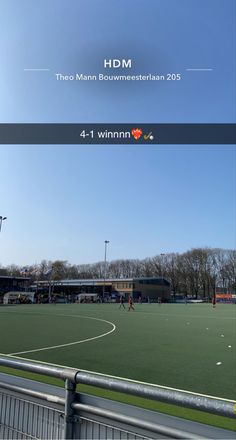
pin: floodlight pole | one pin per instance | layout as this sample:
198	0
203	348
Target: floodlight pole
162	255
214	292
1	220
105	264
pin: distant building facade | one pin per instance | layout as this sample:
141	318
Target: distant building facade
12	284
146	288
8	283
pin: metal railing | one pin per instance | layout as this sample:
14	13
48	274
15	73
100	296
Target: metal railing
71	408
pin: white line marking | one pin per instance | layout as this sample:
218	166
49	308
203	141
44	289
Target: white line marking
199	70
117	377
71	343
36	70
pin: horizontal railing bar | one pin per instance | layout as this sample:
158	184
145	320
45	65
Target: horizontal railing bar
133	421
48	370
180	398
33	393
193	401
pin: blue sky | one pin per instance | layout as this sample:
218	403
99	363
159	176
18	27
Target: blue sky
160	36
63	202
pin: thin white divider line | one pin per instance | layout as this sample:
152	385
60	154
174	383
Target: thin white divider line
36	70
71	343
36	361
199	70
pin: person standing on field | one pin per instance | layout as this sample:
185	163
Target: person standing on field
130	303
122	302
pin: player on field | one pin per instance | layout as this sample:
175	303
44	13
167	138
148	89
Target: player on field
122	302
130	303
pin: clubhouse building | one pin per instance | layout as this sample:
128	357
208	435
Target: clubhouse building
146	288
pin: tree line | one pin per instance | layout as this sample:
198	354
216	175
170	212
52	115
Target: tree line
196	272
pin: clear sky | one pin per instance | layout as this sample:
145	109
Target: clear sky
63	202
160	36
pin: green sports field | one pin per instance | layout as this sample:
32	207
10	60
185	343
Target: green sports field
189	347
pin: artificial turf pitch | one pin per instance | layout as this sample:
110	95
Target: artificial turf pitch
189	347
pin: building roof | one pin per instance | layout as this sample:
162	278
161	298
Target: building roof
5	277
92	282
98	280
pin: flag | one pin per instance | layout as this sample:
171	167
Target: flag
35	271
24	270
47	272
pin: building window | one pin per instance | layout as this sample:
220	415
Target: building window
155	282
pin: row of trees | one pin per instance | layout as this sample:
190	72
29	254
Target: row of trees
196	272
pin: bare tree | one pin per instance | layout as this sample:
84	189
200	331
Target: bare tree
196	272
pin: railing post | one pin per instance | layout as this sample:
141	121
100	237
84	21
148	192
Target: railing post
70	388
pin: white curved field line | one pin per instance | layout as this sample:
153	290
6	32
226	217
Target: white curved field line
71	343
13	355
